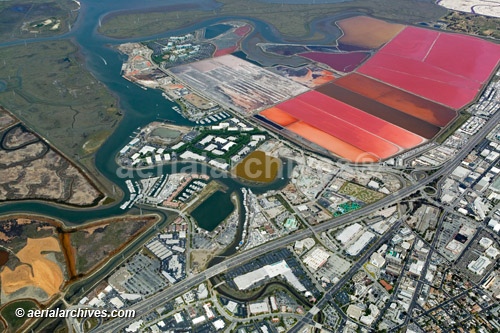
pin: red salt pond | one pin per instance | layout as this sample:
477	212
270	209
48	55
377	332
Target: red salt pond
413	43
446	94
447	68
278	116
339	128
421	70
328	107
222	52
398	99
331	143
465	56
377	109
242	31
469	56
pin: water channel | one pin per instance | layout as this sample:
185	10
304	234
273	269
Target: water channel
139	106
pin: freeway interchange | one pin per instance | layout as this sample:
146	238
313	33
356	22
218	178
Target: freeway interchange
158	299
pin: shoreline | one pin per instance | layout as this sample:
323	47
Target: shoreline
218	18
239	230
69	229
98	176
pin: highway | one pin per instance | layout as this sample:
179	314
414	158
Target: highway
308	318
161	297
445	170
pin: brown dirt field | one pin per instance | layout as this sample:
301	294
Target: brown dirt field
199	101
200	259
50	272
4	257
4	237
367	32
44	228
35	270
22	221
90	230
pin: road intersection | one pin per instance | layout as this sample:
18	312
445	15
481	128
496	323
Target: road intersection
149	304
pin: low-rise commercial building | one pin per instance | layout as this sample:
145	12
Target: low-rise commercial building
479	265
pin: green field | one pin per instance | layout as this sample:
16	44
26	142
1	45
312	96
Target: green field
50	90
290	20
8	313
21	19
360	192
462	118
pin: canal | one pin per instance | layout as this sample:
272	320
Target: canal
140	107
